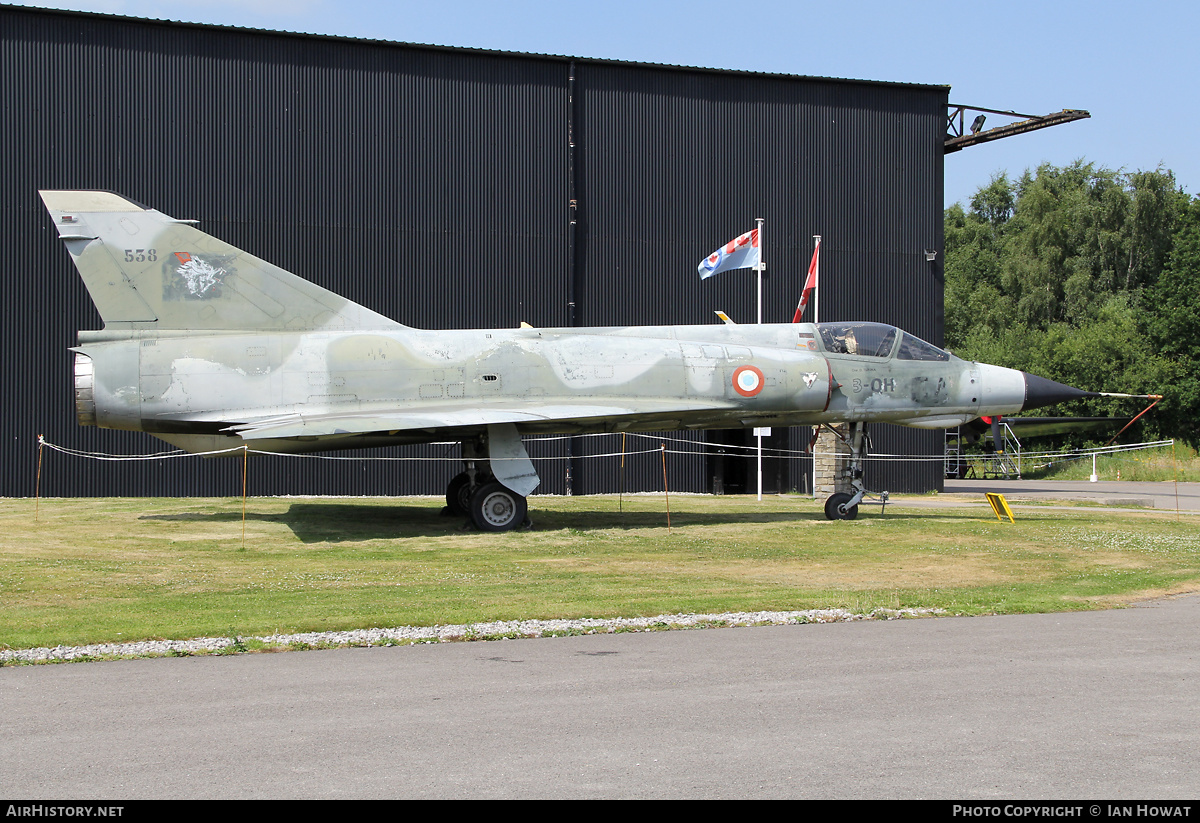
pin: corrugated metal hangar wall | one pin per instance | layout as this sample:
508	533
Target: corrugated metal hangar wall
451	188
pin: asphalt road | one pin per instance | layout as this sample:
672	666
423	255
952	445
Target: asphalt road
1070	706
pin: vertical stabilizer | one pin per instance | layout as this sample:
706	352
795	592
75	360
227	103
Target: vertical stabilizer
145	270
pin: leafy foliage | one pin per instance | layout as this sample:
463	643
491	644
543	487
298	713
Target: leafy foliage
1086	276
1172	321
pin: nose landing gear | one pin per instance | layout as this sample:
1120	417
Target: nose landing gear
843	505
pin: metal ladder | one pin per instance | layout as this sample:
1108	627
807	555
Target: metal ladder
1005	461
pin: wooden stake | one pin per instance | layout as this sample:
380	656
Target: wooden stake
621	484
37	485
666	493
245	461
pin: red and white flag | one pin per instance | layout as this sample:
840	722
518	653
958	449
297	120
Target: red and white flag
809	284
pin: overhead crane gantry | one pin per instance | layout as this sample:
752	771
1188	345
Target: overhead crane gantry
958	137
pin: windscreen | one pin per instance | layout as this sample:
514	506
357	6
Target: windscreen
914	348
861	339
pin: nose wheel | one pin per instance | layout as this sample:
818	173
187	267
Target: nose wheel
844	505
837	508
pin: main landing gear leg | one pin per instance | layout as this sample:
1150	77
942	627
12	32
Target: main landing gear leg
474	474
497	478
844	506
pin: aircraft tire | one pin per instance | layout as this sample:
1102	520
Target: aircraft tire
833	507
459	491
495	508
458	494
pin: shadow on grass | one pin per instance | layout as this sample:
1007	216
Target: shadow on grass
583	519
337	522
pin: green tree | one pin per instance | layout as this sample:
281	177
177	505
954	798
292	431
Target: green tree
1082	275
974	256
1172	324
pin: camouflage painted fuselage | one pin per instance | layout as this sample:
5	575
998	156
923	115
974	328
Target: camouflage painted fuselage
319	390
208	346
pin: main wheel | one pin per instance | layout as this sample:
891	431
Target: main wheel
836	509
458	494
495	508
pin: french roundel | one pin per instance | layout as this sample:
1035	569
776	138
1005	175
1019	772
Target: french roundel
747	381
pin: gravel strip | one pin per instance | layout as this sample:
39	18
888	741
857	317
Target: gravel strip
404	635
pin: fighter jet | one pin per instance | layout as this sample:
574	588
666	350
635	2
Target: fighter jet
206	346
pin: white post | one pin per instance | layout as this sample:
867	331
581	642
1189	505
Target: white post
816	316
761	432
762	265
817	280
759	436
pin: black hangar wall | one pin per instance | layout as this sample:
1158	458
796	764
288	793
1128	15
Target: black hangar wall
454	188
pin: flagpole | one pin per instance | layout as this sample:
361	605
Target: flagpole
762	265
816	282
816	309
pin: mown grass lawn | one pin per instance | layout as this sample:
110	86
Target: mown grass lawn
107	570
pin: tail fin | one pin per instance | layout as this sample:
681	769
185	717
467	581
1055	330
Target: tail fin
145	270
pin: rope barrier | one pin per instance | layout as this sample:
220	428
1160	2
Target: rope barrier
1085	454
168	455
660	438
707	450
453	459
701	450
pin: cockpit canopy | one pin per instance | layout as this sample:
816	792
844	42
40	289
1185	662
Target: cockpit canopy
876	340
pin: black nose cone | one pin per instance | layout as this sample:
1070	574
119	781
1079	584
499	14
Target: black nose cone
1042	392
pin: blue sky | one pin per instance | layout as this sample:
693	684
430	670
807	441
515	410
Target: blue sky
1133	66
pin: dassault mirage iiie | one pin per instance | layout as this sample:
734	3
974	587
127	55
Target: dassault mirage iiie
206	346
